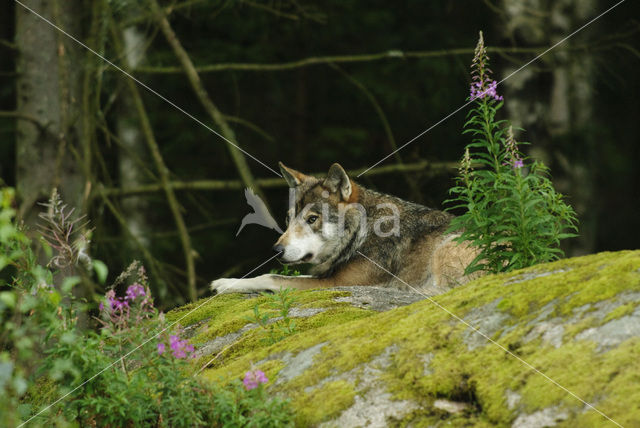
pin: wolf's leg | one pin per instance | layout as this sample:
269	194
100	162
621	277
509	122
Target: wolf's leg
358	272
265	282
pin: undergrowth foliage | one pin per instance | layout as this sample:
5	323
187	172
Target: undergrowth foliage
513	214
66	234
145	377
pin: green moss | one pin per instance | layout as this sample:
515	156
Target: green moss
42	392
505	305
271	369
619	312
333	396
572	330
228	313
442	418
590	274
215	307
251	347
480	377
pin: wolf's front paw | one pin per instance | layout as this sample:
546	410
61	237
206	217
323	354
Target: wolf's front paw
225	285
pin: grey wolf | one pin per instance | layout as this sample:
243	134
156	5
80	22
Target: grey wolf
332	221
260	214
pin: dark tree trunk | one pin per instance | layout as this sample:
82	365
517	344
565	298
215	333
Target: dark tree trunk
50	70
48	88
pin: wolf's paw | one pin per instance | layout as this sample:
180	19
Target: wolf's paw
244	285
225	285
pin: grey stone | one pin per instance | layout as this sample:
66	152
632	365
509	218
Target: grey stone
426	361
533	275
488	320
603	308
373	406
364	375
449	406
219	343
545	312
372	409
513	399
551	332
303	312
295	366
548	417
553	335
613	333
191	330
378	298
581	310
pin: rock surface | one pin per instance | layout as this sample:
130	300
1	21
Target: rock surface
552	345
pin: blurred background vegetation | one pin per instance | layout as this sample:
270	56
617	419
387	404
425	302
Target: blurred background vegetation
306	83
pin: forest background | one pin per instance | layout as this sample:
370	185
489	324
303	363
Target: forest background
306	83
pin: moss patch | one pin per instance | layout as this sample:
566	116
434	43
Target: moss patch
324	402
562	292
620	311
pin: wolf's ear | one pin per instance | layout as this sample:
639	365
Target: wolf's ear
337	180
294	178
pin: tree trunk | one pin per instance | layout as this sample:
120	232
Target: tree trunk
50	70
554	107
48	88
133	146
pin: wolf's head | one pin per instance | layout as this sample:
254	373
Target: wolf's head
322	216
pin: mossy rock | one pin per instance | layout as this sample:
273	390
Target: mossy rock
552	336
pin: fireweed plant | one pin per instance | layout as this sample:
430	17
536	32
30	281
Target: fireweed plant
276	324
513	214
45	352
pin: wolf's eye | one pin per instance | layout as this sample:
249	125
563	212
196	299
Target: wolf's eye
312	219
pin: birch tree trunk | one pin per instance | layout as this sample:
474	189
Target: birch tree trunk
133	147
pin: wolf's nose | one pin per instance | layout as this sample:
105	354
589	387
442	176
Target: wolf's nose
278	248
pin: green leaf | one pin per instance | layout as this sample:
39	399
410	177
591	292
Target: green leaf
19	385
55	297
69	282
8	298
101	270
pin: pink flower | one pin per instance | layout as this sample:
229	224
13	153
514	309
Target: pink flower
478	92
180	348
511	148
111	298
161	348
174	340
482	85
116	303
253	379
135	290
